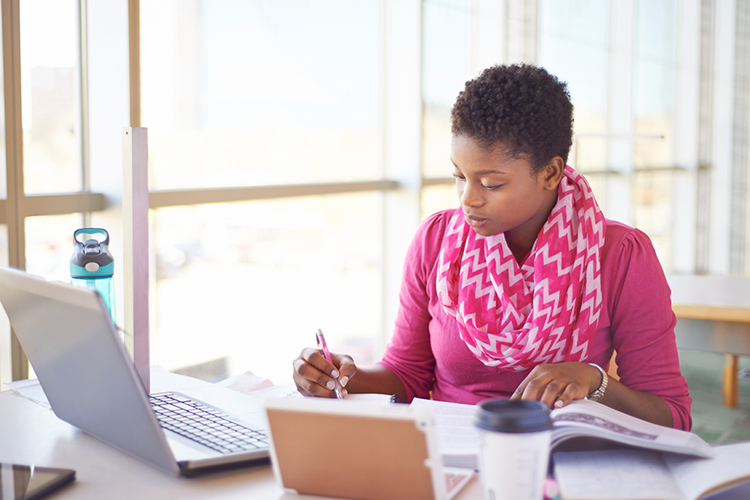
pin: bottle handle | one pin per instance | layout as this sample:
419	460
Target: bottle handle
92	230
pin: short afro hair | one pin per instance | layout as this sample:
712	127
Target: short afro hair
521	107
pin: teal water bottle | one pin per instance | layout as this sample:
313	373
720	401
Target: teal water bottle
92	266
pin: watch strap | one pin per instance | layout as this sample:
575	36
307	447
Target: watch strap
598	394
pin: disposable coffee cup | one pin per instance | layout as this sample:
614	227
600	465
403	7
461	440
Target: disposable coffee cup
514	448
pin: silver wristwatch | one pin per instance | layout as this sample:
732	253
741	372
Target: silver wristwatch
598	394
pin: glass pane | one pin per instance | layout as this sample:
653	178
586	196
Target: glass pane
261	92
49	245
445	69
244	286
655	64
653	106
48	88
653	193
573	43
437	198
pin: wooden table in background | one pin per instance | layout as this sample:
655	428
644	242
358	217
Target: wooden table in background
713	314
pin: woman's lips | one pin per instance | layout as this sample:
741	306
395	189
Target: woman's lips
475	221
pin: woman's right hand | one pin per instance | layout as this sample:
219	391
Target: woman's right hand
314	375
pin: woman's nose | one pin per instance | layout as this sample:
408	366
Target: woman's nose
470	196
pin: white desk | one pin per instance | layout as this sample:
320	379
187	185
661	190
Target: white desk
31	434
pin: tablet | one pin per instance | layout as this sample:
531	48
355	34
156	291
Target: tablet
27	482
354	450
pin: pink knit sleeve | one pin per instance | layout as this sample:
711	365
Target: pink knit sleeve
409	353
643	328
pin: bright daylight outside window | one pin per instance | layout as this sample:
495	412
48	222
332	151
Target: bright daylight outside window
52	162
573	44
252	93
445	69
654	103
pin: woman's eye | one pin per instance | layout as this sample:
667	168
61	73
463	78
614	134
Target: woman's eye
458	177
490	188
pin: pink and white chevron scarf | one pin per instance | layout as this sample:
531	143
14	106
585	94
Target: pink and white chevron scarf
544	311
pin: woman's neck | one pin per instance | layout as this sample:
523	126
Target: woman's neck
521	239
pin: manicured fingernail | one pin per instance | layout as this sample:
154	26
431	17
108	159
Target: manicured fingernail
344	392
330	385
335	374
343	380
559	403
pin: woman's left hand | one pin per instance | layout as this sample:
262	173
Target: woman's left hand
559	384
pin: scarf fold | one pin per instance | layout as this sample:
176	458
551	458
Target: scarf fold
544	311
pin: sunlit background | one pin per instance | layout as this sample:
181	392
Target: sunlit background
239	93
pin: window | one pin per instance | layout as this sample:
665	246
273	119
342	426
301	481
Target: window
294	146
263	93
573	45
51	115
620	63
44	187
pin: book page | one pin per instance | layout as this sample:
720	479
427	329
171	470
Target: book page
615	474
371	397
698	476
454	428
586	418
455	480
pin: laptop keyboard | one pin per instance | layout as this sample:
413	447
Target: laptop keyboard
205	425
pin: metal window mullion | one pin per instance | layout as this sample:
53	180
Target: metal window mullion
14	159
182	197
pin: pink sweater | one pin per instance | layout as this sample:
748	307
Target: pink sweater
636	320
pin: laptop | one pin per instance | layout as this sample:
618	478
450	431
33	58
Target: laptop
91	383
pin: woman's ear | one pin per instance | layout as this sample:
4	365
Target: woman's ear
553	173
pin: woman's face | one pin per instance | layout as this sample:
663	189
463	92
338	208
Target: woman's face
499	194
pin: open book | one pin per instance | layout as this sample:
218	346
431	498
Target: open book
458	440
642	474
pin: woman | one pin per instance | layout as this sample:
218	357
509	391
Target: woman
526	289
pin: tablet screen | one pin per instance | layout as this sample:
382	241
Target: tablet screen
27	482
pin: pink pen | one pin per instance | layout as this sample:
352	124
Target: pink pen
327	354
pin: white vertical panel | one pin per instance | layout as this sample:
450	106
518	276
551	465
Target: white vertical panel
721	148
685	152
620	111
135	262
402	139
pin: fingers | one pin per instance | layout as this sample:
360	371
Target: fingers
347	368
554	385
316	359
569	394
314	375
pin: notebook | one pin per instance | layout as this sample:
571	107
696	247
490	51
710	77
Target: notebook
358	450
91	383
